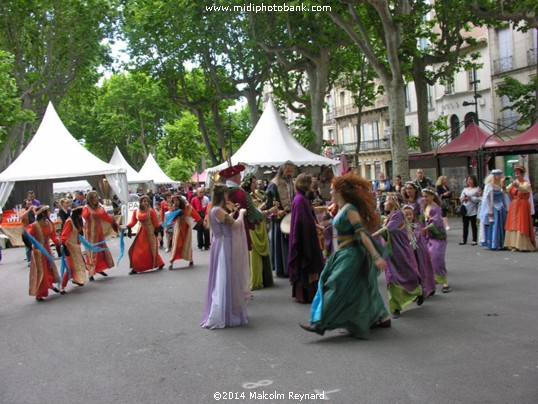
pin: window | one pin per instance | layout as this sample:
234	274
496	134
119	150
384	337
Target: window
454	127
470	117
408	132
342	98
375	129
449	86
345	135
504	63
471	79
406	97
366	132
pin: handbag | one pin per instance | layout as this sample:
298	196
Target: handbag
461	210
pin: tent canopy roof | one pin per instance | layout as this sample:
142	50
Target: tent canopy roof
472	139
151	170
270	144
133	176
41	159
528	140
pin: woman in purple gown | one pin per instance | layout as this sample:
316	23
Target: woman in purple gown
424	261
435	232
401	273
229	276
305	259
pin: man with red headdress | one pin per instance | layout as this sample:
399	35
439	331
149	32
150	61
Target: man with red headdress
238	196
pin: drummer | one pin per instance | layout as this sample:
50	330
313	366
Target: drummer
281	191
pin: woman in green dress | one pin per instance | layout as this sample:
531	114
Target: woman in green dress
348	296
261	270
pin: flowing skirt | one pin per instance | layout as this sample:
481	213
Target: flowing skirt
348	296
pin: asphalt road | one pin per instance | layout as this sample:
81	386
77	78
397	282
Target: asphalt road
137	339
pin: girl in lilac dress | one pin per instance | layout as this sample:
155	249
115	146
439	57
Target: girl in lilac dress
422	255
412	197
435	232
228	286
401	273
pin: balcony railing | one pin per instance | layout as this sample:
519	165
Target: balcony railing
532	57
367	145
503	65
344	110
507	122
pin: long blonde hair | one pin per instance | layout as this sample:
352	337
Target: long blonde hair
440	180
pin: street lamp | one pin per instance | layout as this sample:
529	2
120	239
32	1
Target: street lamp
476	96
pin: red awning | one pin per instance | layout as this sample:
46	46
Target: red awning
199	177
472	139
528	140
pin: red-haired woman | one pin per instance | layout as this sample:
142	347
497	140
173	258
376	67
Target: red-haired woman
144	252
182	236
94	215
348	296
71	248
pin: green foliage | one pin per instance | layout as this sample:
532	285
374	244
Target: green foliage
11	110
128	110
178	169
183	142
522	98
56	46
437	130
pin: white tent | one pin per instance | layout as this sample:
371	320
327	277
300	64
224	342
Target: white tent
133	177
151	169
54	154
71	186
270	144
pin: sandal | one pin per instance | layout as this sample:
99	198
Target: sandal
446	289
309	328
381	324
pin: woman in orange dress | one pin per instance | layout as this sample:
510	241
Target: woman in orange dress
94	215
43	272
182	236
71	249
519	229
144	252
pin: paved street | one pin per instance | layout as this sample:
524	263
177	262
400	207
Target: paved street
136	339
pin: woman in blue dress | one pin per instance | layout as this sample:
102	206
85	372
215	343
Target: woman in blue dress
348	295
493	211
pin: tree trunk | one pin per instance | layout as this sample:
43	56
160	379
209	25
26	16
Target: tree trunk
203	130
218	124
252	98
359	137
400	156
421	91
318	78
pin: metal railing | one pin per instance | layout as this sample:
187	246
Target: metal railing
502	65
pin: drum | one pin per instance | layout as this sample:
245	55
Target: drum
285	224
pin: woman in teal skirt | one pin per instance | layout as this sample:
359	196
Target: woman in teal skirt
348	296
